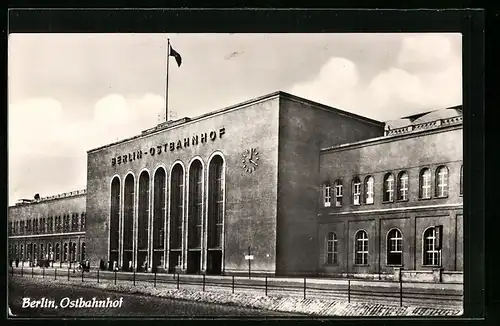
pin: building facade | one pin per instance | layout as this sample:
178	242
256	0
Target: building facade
49	229
394	202
298	187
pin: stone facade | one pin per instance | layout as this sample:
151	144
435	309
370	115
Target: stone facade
409	152
51	228
276	155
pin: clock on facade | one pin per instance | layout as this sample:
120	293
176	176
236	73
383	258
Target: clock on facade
250	160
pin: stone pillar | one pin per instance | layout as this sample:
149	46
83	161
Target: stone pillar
397	273
436	275
135	224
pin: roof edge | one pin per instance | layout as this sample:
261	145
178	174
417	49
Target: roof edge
190	120
381	139
330	108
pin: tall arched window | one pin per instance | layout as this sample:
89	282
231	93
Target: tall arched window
327	195
159	217
143	219
369	192
442	181
114	220
176	212
394	247
83	251
29	252
50	251
388	187
82	221
338	193
403	186
216	185
432	253
195	204
361	245
331	248
58	251
194	221
73	251
128	220
425	183
461	180
74	222
356	191
65	252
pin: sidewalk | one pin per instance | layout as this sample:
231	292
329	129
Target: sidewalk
313	306
284	281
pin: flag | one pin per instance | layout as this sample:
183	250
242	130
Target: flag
176	55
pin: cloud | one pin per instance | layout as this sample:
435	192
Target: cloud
431	51
426	76
43	138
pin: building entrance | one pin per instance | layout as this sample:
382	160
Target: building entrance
193	261
214	262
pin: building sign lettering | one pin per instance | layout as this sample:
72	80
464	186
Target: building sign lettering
168	147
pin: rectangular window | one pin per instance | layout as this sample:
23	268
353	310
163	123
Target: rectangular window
369	190
356	193
327	196
404	188
426	185
462	180
338	195
389	189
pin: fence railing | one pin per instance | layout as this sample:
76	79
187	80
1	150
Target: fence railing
388	292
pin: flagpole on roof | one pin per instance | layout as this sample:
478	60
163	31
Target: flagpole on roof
166	91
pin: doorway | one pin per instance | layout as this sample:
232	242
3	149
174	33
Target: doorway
193	261
214	262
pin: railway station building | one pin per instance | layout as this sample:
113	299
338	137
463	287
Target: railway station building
299	187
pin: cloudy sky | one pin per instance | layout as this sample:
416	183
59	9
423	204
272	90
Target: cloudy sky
69	93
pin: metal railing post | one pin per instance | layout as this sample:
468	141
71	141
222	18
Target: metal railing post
177	281
22	271
68	273
32	272
233	284
304	288
155	280
266	286
349	291
203	282
43	272
98	276
133	277
115	276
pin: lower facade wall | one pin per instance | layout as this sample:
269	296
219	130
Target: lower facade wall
412	225
55	249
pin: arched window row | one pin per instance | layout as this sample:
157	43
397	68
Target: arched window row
431	247
395	187
64	223
186	186
53	251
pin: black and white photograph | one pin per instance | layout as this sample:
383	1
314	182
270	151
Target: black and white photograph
235	174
